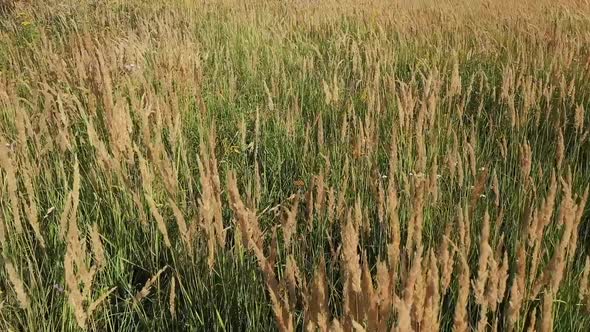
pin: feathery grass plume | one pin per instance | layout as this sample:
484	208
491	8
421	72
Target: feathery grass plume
358	327
517	290
31	211
74	252
455	84
560	150
106	162
432	298
65	216
446	257
420	144
482	323
526	156
290	222
79	276
464	230
159	219
491	288
245	217
344	126
361	218
350	257
507	82
103	82
181	223
75	296
139	208
418	214
211	245
581	206
529	225
384	292
163	164
558	262
95	304
280	306
97	247
320	132
351	302
19	287
584	290
292	276
335	326
535	243
554	271
358	140
484	255
547	207
147	179
76	246
252	236
145	290
496	188
7	164
533	322
418	302
369	297
208	205
503	145
318	300
461	320
120	129
331	205
172	298
404	320
547	313
412	278
63	136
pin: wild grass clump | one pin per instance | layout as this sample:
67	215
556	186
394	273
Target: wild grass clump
318	166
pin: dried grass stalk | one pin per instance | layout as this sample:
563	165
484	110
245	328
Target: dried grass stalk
17	283
145	290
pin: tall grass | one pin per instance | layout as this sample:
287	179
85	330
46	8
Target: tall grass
299	165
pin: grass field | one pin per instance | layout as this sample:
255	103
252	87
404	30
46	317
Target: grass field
294	165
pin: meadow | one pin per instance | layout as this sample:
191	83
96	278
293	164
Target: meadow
294	165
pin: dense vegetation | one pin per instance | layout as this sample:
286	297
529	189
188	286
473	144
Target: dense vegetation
294	165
